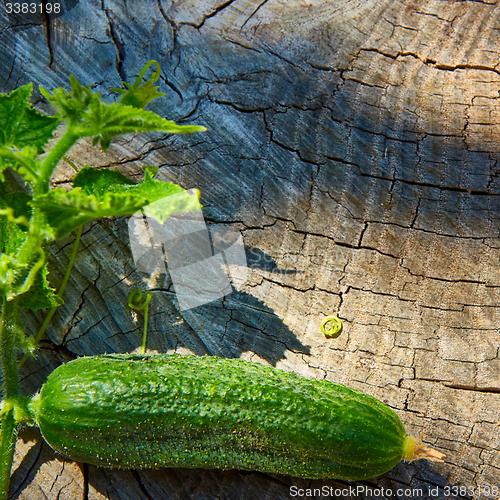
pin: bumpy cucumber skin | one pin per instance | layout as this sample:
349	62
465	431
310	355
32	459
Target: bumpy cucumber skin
140	411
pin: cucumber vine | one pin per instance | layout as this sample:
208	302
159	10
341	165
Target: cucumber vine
34	216
134	302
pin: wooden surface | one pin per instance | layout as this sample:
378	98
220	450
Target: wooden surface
355	145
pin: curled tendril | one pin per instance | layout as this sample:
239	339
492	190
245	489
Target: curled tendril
134	302
11	217
335	329
153	78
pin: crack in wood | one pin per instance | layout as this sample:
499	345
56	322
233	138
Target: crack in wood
473	388
120	47
216	11
253	13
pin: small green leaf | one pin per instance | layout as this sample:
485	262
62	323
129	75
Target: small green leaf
72	104
15	274
12	234
36	129
151	171
26	281
10	271
18	201
12	109
41	295
161	204
20	124
139	96
26	162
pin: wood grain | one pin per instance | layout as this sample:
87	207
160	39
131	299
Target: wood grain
355	146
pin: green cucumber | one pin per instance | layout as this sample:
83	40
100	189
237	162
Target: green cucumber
150	411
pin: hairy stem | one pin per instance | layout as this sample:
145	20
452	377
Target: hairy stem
46	321
7	447
38	224
134	302
62	146
8	334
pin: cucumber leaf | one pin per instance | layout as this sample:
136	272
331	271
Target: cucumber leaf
25	161
92	117
12	234
20	124
103	193
103	122
13	275
22	128
35	130
101	180
41	295
71	104
13	230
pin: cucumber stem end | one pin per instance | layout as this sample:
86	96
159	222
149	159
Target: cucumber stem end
414	449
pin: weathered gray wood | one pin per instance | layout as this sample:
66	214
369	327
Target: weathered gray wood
355	146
